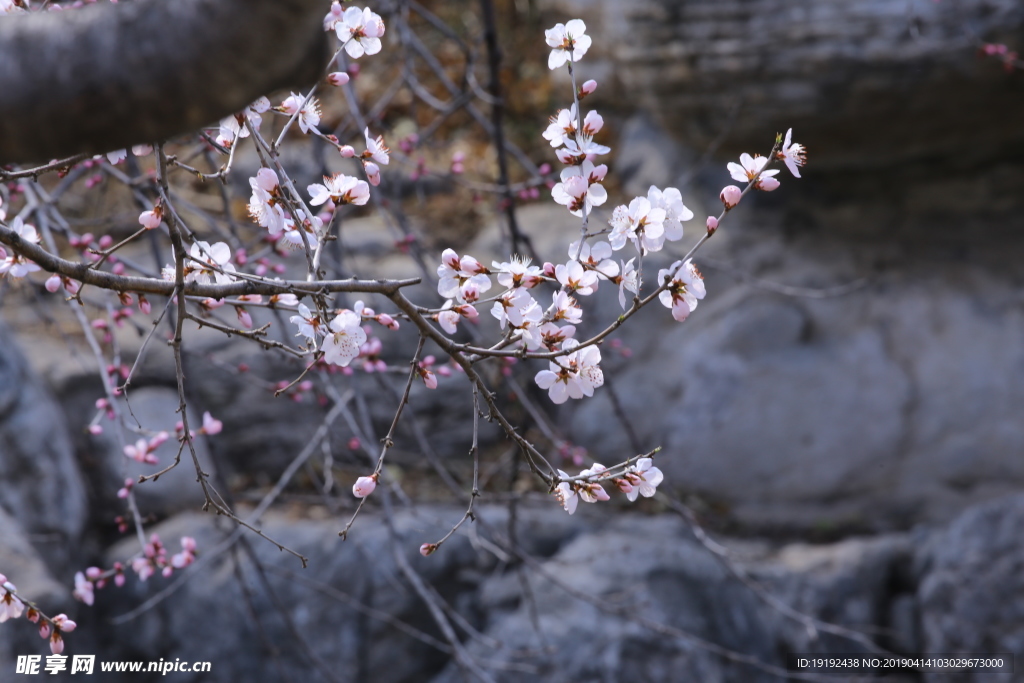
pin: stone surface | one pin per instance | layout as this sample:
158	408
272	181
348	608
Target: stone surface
106	467
34	579
863	83
40	484
971	590
211	618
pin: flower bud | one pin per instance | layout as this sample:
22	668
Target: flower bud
428	549
150	220
767	184
587	88
712	225
338	78
730	196
364	486
52	283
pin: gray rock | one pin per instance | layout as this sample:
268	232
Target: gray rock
24	567
971	590
212	617
40	485
106	466
862	83
643	582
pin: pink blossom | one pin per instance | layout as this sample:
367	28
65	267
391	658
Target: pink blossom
644	478
211	426
83	589
682	293
712	224
364	486
10	606
428	549
52	283
337	78
730	196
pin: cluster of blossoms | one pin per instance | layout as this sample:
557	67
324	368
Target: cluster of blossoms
153	558
639	479
343	337
50	628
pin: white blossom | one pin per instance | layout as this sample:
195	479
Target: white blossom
209	263
360	30
340	189
346	335
682	293
569	42
671	200
793	154
639	223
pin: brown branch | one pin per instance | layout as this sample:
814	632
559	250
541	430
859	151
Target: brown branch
124	283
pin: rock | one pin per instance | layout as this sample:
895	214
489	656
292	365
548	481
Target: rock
106	466
662	577
24	567
211	618
886	406
40	485
971	590
862	84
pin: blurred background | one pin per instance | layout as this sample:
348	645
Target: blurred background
841	419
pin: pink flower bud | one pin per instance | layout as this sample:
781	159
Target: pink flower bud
387	321
95	430
429	379
211	426
338	78
428	549
106	241
353	444
372	172
712	224
347	151
588	88
767	184
52	283
244	317
62	622
144	304
72	286
150	220
730	196
44	631
364	486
